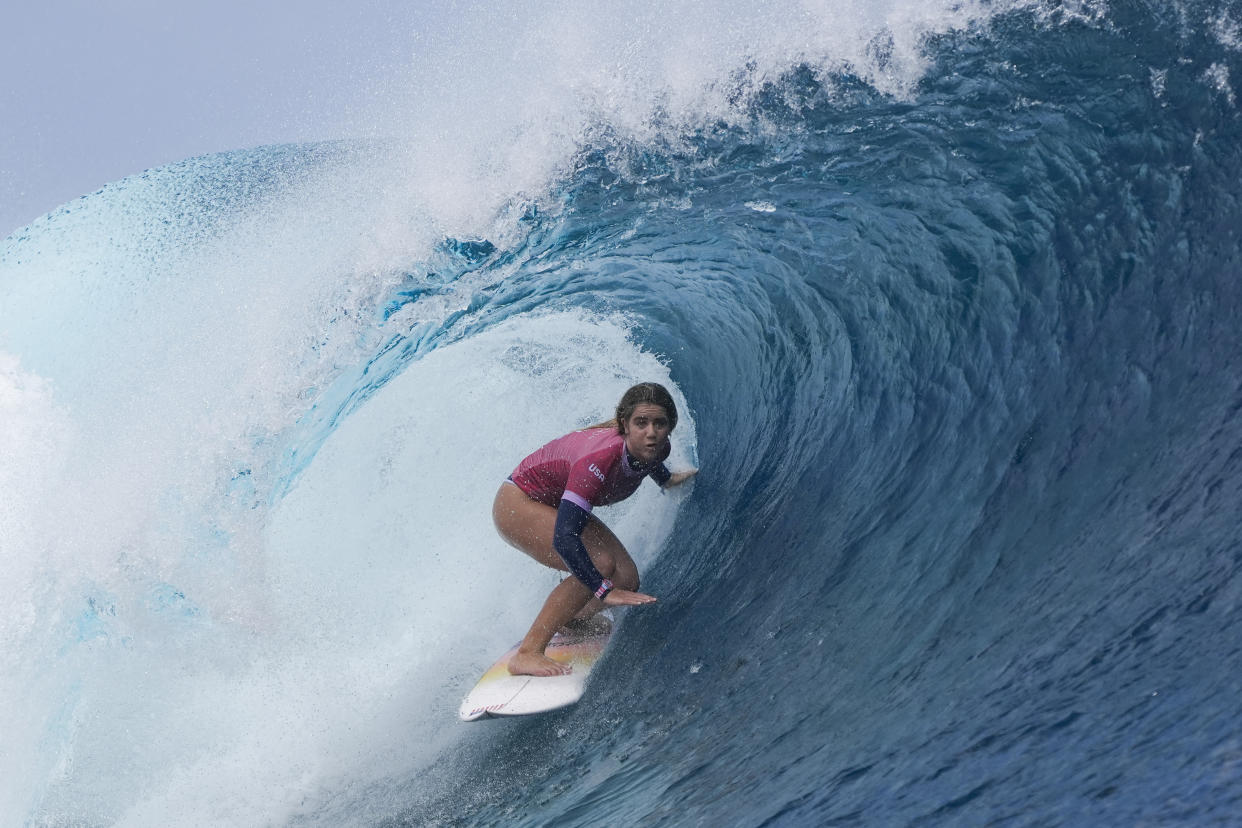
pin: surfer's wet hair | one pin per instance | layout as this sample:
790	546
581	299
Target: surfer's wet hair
644	393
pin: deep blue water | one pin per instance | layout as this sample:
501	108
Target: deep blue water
965	372
965	546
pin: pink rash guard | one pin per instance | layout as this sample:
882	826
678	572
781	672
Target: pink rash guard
575	473
588	468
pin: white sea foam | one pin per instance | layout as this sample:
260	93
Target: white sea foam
1217	76
235	671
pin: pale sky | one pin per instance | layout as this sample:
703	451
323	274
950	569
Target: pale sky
96	90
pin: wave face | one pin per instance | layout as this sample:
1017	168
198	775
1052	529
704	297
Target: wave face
949	301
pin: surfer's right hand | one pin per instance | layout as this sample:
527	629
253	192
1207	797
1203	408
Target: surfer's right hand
625	598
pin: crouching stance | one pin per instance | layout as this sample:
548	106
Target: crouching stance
544	509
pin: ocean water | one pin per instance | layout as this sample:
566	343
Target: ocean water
948	294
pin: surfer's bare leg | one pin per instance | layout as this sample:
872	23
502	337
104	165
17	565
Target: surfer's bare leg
558	610
529	526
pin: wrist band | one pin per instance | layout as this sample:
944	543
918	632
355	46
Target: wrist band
605	587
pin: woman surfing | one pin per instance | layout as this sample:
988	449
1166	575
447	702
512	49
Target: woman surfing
545	509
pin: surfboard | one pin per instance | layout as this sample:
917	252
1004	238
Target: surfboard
500	694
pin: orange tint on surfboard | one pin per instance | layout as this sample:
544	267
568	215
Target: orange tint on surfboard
498	693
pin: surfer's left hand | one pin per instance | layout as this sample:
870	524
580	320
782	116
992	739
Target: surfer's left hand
677	478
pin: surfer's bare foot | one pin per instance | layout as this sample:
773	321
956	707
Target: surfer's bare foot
535	664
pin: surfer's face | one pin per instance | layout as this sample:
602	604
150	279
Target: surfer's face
646	432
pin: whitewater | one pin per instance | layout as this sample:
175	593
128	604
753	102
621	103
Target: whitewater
947	294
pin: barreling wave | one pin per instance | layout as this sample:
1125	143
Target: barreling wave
950	309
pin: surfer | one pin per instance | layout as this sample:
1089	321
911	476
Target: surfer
544	509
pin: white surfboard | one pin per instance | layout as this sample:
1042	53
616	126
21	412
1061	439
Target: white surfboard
499	693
